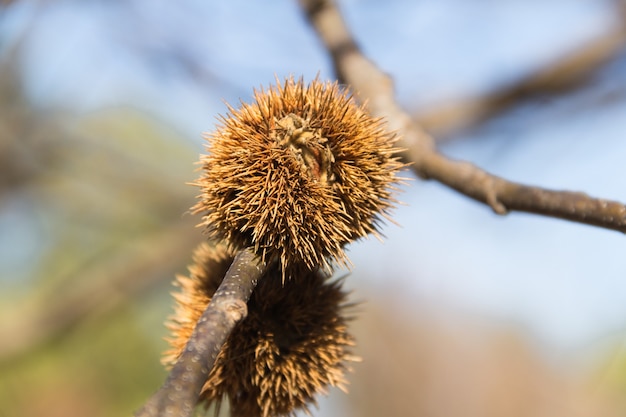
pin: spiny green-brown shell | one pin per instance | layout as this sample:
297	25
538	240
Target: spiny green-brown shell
297	174
292	345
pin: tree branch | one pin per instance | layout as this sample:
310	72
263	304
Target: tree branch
570	70
501	195
179	394
131	270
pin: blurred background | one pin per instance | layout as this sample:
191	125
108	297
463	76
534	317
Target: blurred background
102	109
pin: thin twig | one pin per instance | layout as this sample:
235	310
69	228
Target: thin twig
179	394
561	75
130	271
501	195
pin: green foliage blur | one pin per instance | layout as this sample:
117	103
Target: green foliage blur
81	327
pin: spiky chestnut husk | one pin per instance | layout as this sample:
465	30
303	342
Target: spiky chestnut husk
292	345
297	174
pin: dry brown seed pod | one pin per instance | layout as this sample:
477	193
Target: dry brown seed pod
297	174
292	345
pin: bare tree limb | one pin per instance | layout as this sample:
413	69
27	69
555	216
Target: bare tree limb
570	70
179	394
501	195
31	327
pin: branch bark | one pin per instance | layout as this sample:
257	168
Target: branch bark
179	394
373	86
569	71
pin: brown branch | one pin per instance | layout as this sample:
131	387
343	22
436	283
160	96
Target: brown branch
569	71
419	147
113	279
179	394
